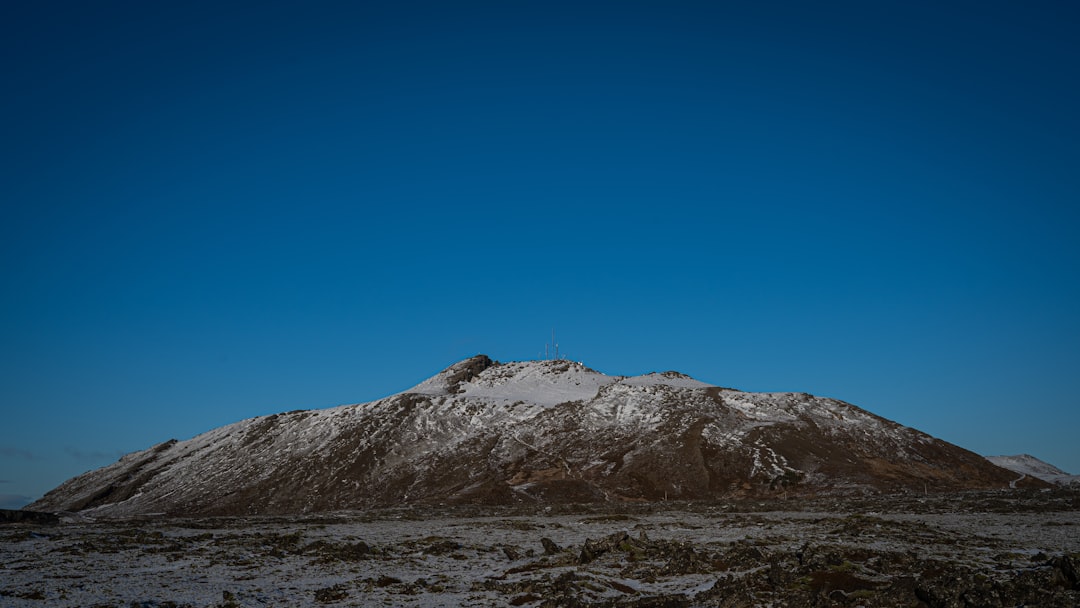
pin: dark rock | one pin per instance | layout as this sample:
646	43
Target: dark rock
335	593
228	600
1066	569
9	516
550	548
593	549
683	559
466	370
345	552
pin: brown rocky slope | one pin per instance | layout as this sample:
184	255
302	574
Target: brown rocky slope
555	431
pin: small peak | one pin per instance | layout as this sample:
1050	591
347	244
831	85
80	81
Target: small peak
466	370
668	378
451	378
558	366
542	382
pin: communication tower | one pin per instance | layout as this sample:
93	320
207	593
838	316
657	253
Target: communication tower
551	350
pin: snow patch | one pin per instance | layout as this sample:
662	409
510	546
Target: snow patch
1026	464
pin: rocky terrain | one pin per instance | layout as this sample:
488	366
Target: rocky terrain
964	549
534	432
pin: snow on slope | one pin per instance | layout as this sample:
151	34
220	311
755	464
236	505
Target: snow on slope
483	431
1026	464
546	383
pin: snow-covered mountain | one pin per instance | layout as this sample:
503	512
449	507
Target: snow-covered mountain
486	432
1026	464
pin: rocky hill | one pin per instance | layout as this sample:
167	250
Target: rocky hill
557	431
1026	464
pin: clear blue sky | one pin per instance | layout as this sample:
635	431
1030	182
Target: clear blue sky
217	210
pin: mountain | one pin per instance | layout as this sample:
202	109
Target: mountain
488	432
1025	464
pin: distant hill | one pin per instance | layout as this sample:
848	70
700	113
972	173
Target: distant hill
1026	464
547	431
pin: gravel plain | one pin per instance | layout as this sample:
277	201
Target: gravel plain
1005	548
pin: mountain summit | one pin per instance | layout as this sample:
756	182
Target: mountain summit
1026	464
488	432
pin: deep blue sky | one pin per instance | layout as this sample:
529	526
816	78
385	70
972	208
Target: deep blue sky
218	210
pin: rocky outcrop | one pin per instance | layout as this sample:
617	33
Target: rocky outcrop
10	516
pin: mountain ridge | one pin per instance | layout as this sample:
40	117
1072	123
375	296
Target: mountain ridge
1026	464
481	431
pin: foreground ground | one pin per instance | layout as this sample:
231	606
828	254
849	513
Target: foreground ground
982	549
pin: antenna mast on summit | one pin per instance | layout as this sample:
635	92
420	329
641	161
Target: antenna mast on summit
551	351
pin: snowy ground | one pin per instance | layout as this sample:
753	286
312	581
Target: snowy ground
877	551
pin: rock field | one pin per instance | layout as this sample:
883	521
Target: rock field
1005	548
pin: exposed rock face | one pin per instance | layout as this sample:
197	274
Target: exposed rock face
530	431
